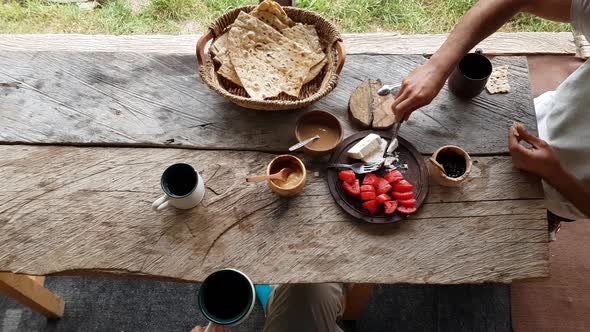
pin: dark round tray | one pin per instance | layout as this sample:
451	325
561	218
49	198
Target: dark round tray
417	174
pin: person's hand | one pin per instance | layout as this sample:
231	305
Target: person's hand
418	89
539	159
215	328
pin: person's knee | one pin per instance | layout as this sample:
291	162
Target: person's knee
315	293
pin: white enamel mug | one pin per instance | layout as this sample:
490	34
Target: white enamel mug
183	188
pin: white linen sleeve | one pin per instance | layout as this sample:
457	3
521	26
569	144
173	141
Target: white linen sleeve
580	15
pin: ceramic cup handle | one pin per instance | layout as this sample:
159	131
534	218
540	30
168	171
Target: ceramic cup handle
160	203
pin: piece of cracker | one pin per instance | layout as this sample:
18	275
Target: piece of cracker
498	81
514	128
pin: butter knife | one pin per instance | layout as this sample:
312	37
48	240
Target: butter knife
391	145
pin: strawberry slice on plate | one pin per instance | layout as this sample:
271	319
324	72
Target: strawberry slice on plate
393	176
382	186
352	189
383	198
390	207
402	196
402	186
347	176
368	195
410	203
370	179
367	187
371	206
406	210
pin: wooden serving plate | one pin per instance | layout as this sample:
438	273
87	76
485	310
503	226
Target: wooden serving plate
416	174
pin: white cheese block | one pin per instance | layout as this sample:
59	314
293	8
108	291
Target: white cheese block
392	146
365	147
377	155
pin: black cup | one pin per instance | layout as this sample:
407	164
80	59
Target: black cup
227	297
179	180
471	75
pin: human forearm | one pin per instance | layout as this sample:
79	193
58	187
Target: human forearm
572	189
482	20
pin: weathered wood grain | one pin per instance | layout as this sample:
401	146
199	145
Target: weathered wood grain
500	43
73	210
147	99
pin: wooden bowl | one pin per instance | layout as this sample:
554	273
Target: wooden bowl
319	123
287	161
438	173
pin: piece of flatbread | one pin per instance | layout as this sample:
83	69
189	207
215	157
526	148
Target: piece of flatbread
498	81
267	62
219	45
307	36
227	69
272	14
304	34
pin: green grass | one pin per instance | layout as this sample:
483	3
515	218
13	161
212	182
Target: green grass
173	16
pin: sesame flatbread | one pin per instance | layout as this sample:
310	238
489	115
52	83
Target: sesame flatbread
219	45
227	69
266	61
307	36
498	81
272	14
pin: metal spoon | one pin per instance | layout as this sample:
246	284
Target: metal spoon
387	89
303	143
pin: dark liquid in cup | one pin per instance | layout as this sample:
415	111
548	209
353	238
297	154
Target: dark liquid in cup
453	163
475	66
227	295
181	179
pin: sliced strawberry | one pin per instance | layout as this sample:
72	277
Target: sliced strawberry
406	210
370	179
402	186
390	207
367	187
393	176
352	189
384	189
408	203
381	182
402	196
368	195
383	198
371	206
347	176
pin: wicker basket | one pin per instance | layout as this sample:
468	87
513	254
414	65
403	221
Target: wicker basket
311	92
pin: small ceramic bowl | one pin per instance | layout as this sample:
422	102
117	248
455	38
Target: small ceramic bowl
296	182
447	156
319	123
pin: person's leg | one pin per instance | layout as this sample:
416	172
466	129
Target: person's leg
305	307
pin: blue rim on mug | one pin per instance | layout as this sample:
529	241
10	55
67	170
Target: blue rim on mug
242	315
179	167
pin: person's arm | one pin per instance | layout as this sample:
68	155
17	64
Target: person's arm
541	160
487	16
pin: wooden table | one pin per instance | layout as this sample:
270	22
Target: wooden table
86	136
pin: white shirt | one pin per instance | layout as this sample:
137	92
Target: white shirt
564	121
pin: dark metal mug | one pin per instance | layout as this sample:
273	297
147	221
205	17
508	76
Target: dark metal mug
471	75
